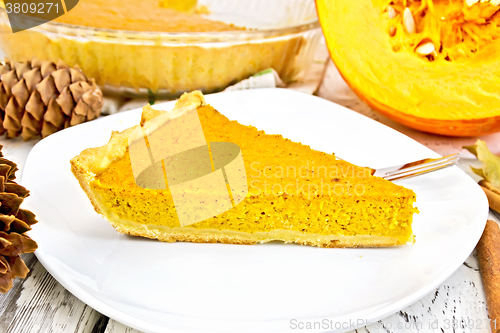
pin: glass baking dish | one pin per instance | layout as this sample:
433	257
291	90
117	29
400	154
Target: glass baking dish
281	34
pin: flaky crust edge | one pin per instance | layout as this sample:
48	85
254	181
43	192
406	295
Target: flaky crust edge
92	161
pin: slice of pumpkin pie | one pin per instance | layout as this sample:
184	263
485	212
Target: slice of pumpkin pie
235	184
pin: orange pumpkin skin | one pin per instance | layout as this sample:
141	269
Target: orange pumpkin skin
455	128
466	127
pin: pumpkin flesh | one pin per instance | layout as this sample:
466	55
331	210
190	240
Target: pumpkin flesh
454	90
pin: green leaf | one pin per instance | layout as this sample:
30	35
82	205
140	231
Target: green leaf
471	149
478	172
151	97
491	163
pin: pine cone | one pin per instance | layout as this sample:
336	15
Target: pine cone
41	98
14	222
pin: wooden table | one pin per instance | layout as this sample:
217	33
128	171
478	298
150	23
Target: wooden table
40	304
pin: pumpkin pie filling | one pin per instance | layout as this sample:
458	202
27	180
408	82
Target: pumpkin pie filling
295	194
151	16
148	48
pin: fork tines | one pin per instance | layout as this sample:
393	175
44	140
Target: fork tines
422	168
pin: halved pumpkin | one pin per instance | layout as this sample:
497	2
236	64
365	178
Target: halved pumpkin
433	65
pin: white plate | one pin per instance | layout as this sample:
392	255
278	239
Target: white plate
182	287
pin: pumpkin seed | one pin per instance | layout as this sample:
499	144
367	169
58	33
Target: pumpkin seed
392	31
391	12
409	21
425	48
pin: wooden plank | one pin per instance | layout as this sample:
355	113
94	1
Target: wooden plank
461	297
40	304
116	327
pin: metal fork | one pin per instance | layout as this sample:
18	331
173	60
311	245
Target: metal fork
417	168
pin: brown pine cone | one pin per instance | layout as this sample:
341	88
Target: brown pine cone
14	222
41	98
